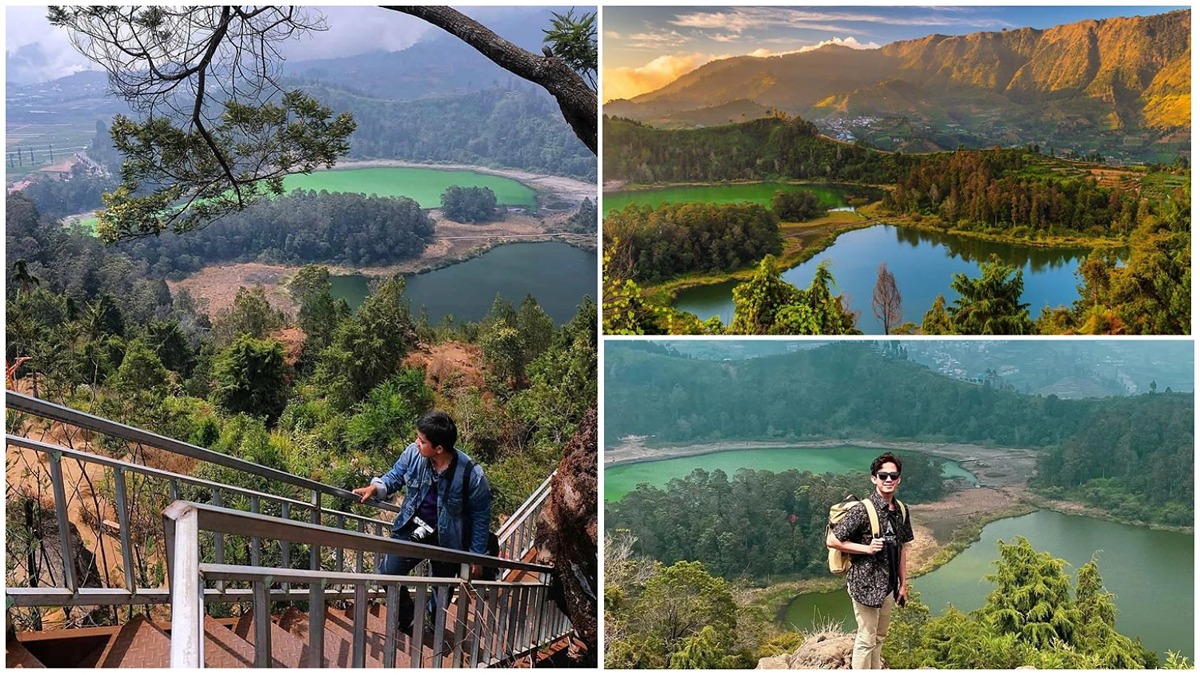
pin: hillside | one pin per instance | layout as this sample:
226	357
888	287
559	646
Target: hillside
1120	86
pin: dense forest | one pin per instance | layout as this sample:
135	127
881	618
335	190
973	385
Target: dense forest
333	399
470	204
300	227
755	524
777	147
1012	190
649	244
516	126
857	390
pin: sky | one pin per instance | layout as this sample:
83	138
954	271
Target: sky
646	48
37	52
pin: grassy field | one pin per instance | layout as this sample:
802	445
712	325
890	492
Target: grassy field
423	185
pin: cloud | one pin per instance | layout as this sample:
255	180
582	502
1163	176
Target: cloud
34	51
848	41
742	19
627	82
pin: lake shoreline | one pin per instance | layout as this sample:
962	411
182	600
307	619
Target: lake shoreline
452	243
216	285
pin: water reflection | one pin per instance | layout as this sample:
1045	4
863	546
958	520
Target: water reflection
923	263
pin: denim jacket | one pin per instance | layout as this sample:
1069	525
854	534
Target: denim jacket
414	473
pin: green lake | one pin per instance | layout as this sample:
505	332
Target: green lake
923	264
623	478
423	185
1151	573
831	196
557	275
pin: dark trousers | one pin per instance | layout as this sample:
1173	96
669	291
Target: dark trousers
399	565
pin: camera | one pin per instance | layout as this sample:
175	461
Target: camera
421	530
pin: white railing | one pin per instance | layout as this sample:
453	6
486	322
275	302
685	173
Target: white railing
491	622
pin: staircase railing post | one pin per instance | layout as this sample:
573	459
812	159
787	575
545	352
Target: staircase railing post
316	625
64	524
186	600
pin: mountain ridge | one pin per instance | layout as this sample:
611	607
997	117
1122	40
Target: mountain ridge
1063	84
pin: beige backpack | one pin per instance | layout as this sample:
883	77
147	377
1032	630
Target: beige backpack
839	561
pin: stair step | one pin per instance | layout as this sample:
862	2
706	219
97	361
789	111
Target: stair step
17	656
224	649
139	644
338	650
286	649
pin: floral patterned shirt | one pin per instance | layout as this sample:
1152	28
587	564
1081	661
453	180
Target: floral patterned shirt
867	579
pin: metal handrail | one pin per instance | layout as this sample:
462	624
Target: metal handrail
221	520
482	611
526	509
517	536
49	448
71	594
46	409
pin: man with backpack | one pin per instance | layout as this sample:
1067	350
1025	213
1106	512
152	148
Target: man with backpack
873	532
447	502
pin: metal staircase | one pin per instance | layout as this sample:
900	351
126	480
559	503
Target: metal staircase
233	577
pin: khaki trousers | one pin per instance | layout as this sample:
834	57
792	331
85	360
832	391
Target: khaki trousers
872	629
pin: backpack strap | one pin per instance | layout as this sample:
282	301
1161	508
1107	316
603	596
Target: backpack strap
873	515
903	511
468	468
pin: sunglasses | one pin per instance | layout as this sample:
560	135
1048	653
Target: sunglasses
884	475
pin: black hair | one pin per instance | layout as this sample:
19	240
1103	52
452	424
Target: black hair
879	462
439	429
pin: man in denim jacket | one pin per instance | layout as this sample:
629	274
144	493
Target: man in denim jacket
431	472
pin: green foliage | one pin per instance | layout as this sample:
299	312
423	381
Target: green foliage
625	311
252	377
999	189
1029	619
757	150
651	244
250	316
366	349
469	204
385	422
141	375
679	602
172	179
987	305
1131	460
768	305
795	205
300	227
507	122
319	313
573	39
